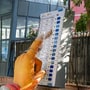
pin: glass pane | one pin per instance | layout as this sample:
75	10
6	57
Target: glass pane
0	40
8	31
40	1
32	27
53	2
5	6
0	29
17	33
4	50
22	8
20	27
35	9
22	33
6	28
3	33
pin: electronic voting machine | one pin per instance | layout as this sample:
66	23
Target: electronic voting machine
49	53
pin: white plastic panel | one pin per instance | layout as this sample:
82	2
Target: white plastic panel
50	47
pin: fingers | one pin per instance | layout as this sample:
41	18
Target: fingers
38	65
30	86
48	34
45	35
40	75
34	83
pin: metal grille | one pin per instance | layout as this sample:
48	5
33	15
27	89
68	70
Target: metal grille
79	64
21	46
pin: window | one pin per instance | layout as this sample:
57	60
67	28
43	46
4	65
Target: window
0	40
8	33
3	33
4	50
20	32
6	22
0	31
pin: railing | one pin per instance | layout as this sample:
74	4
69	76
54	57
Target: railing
79	64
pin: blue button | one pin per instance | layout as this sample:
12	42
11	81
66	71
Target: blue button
53	58
49	79
50	70
54	46
50	74
51	66
57	30
58	18
58	22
